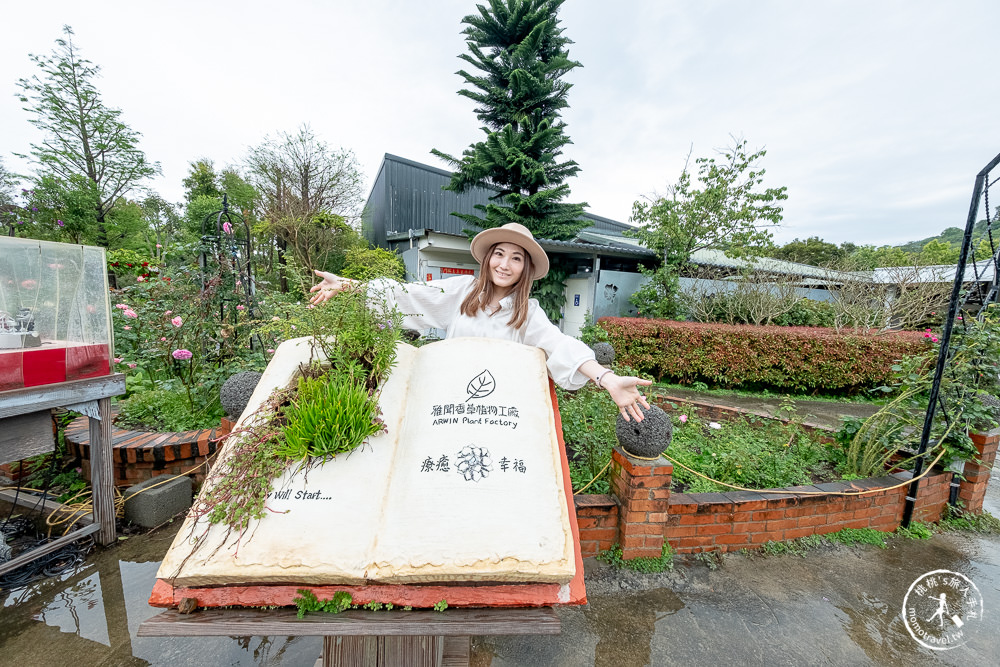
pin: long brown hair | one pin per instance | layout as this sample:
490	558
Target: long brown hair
483	291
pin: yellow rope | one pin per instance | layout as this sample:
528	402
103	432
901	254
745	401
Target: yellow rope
596	477
82	503
819	493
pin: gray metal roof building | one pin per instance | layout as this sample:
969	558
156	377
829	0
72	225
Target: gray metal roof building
408	201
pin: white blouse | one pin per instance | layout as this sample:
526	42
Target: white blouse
437	305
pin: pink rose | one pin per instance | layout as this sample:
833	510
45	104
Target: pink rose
168	312
131	365
683	419
181	355
121	306
127	328
227	228
128	312
158	245
240	307
270	350
118	360
140	279
934	340
162	339
177	321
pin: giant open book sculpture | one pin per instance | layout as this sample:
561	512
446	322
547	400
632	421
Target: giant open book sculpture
466	486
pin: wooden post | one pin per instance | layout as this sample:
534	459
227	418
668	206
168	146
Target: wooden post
381	651
101	474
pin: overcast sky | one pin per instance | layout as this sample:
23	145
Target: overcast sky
875	115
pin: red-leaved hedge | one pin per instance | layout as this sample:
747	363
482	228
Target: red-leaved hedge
790	358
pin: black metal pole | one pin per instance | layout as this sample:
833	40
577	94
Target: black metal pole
949	324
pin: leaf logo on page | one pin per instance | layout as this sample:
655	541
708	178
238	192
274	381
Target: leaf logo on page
480	386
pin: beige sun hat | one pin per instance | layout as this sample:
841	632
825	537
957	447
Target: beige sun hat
518	234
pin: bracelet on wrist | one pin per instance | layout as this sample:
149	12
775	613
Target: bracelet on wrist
600	377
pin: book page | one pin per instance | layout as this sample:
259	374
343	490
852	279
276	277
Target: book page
320	520
476	491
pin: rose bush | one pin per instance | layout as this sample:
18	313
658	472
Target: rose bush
170	340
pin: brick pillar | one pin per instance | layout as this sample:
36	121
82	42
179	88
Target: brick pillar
643	490
226	427
977	474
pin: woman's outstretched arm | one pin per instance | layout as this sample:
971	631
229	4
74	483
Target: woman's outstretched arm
328	286
624	390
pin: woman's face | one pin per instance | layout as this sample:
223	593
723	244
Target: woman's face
506	265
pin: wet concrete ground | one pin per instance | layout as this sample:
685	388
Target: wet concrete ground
835	606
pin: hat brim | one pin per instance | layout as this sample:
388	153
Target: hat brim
485	240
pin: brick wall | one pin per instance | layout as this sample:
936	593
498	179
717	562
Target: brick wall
977	473
646	513
597	517
141	455
744	519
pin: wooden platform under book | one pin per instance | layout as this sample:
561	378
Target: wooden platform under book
410	638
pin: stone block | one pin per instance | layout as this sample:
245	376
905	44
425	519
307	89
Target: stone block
154	501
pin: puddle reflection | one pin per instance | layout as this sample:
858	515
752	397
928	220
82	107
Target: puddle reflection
91	616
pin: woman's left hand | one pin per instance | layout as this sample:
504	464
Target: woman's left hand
625	393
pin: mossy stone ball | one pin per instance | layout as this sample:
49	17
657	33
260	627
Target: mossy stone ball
236	392
604	353
648	438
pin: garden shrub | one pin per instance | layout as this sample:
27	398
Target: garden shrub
807	313
372	263
799	359
588	422
127	264
169	338
749	452
166	410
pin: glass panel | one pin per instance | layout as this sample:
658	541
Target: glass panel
55	313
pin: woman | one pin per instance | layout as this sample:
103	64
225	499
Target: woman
496	305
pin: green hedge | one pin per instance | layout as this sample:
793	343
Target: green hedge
801	359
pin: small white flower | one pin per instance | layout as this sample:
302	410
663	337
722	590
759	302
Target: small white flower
714	425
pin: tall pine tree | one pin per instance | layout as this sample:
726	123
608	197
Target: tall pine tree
86	147
521	54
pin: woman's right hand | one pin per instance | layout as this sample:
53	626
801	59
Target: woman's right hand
327	287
